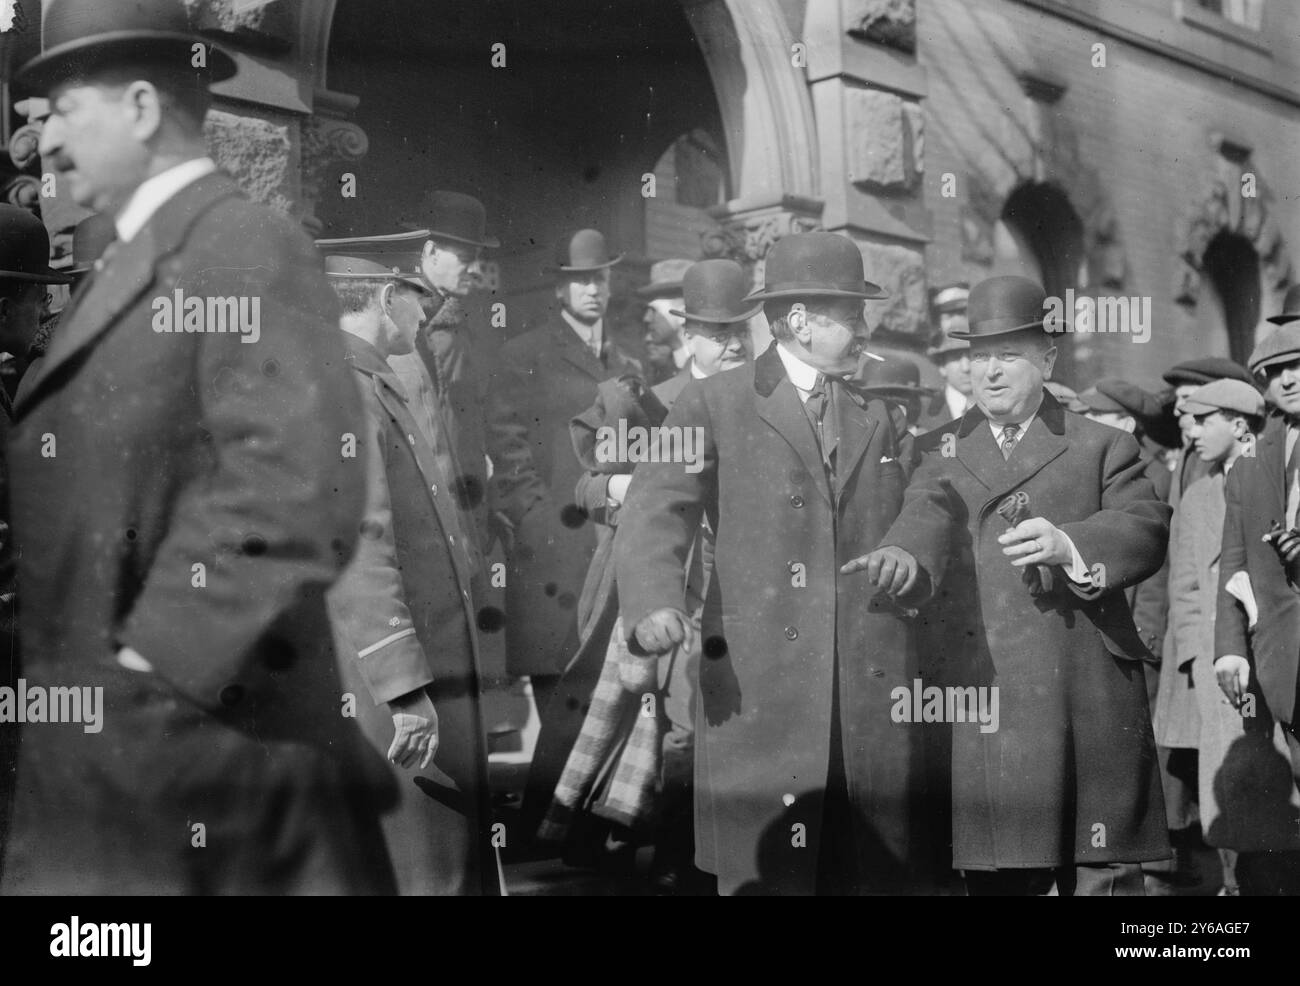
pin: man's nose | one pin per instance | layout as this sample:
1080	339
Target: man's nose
51	136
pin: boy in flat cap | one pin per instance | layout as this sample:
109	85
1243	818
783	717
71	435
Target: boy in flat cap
189	582
1245	794
403	610
1257	626
1065	791
803	782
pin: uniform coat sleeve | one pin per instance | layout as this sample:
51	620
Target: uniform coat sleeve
369	602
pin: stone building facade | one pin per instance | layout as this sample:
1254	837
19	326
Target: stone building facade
1138	149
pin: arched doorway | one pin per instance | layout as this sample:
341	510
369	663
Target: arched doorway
1227	317
1040	236
562	134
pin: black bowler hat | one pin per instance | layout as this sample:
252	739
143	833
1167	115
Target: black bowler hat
815	265
581	253
78	36
1000	305
458	217
1290	307
89	240
895	379
1202	371
714	291
25	248
393	257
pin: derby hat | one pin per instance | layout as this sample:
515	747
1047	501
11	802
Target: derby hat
714	291
581	253
1290	307
392	257
89	241
1001	305
898	379
1282	345
25	248
1203	370
665	279
815	265
78	36
458	217
946	345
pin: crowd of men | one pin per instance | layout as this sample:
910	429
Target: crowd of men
824	630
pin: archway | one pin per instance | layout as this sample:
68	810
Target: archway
1229	313
561	131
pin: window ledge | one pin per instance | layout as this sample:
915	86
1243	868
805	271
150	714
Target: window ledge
1193	15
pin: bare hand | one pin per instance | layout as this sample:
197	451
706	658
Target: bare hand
889	569
663	630
1036	542
1233	672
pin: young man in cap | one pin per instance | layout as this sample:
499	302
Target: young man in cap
1065	789
1245	804
1184	378
803	782
666	350
951	355
403	610
545	377
1257	626
190	586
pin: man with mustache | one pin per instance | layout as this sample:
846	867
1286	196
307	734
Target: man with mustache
1066	791
186	505
803	782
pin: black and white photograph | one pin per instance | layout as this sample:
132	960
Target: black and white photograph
651	448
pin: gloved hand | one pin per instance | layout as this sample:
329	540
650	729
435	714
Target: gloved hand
415	730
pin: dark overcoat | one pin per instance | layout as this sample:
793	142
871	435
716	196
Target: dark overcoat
404	620
184	494
1255	495
547	376
1070	773
777	617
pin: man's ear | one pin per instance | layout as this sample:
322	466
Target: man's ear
145	107
1049	361
427	252
386	294
797	320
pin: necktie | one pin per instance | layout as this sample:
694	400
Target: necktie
1010	435
823	410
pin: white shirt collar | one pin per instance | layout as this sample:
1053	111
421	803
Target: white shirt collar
956	400
696	372
803	376
590	334
152	193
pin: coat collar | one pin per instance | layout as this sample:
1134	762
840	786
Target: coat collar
1043	441
132	269
573	350
368	361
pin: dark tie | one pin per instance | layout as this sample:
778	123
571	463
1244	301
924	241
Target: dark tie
824	413
1010	435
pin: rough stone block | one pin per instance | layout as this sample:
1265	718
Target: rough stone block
900	270
257	152
886	22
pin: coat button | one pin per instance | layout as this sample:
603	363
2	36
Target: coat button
791	633
411	439
434	489
796	501
451	539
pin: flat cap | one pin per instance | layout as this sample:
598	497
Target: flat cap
1111	394
1282	345
1225	395
1204	370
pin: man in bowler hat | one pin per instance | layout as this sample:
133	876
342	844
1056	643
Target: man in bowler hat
803	783
1065	789
543	379
191	507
